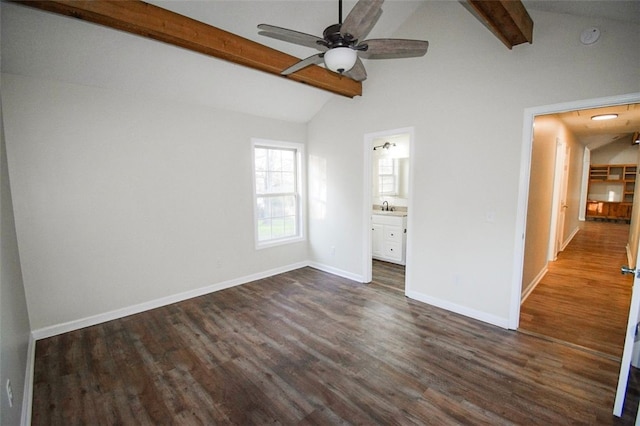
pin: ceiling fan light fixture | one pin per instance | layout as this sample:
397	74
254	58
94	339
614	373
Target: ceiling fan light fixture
604	117
340	59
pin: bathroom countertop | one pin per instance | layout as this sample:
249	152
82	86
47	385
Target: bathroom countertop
389	213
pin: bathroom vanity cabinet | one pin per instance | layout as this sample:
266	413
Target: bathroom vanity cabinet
389	237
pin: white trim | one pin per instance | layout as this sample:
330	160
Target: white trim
552	244
586	162
566	242
27	397
523	187
533	284
459	309
66	327
339	272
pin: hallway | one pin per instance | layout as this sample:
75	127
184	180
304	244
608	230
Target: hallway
583	299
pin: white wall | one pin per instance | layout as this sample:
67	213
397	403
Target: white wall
618	152
123	199
15	329
466	99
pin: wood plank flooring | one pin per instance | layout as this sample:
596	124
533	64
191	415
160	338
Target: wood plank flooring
388	274
309	348
584	299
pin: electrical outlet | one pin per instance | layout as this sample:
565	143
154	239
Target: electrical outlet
333	250
9	393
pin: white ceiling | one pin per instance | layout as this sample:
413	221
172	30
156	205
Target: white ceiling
619	10
41	44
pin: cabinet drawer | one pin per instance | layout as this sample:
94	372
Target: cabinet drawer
393	233
393	250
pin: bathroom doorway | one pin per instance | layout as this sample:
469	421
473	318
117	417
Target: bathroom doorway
387	200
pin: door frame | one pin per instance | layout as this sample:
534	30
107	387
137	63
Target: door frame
523	191
367	192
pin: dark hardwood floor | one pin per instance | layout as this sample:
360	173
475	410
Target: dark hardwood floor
584	299
388	274
307	347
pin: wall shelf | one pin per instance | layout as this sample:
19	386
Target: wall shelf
611	191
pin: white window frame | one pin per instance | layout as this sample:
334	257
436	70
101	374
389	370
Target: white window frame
300	194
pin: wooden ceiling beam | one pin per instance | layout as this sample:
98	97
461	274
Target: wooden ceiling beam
140	18
507	19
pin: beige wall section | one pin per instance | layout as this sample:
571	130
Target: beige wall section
548	130
543	159
574	188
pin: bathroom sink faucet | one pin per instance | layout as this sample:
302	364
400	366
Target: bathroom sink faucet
387	206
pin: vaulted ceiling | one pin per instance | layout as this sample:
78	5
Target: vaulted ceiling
41	44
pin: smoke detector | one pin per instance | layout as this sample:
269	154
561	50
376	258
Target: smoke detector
590	36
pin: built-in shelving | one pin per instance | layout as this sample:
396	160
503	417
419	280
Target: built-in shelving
611	191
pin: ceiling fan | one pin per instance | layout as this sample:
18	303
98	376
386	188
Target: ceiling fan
341	47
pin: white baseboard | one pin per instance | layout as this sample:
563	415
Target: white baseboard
569	238
459	309
532	285
27	397
336	271
66	327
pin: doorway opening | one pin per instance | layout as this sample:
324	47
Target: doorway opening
533	178
567	295
387	188
526	279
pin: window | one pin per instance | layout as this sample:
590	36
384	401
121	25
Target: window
277	192
387	177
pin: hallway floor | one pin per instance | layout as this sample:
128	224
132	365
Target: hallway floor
583	299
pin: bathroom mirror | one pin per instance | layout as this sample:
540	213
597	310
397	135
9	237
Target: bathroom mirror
390	171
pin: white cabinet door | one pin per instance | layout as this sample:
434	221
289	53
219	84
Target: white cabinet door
377	240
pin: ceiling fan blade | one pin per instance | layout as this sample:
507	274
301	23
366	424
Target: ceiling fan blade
311	60
292	36
366	30
357	73
392	48
361	19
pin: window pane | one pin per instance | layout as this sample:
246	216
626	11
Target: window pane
261	159
288	180
277	207
264	229
288	161
275	159
385	166
264	207
387	184
290	205
277	227
290	226
277	198
261	182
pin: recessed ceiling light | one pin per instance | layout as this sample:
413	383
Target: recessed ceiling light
604	117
